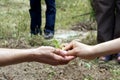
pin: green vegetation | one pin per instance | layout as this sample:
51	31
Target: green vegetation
15	22
15	19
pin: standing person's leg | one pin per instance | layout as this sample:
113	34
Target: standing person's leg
117	26
50	19
105	16
35	14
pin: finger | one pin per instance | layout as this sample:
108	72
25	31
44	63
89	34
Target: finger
60	52
57	56
69	58
62	59
69	46
66	60
64	45
70	53
53	59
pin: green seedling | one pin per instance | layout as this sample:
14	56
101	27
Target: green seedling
56	43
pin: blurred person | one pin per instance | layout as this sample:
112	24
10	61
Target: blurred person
35	14
107	14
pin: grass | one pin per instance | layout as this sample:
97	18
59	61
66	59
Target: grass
15	22
15	19
69	12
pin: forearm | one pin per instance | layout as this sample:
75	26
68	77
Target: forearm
107	48
14	56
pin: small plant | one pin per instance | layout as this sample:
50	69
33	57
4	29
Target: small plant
56	43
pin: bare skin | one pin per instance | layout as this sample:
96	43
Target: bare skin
90	52
42	54
52	56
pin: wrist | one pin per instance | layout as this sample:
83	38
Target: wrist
34	53
30	54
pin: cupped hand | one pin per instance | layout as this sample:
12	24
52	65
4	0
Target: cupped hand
46	54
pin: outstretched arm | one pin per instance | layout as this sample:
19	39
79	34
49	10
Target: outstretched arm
91	52
44	54
107	48
13	56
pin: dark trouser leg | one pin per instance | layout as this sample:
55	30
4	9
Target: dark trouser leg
105	16
117	26
35	14
117	23
50	16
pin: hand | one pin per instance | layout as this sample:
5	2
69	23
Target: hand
47	55
79	50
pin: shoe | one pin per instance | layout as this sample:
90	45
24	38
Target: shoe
106	58
48	35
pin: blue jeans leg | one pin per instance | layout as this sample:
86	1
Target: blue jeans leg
50	16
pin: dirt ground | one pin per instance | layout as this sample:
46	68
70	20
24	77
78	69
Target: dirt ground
76	70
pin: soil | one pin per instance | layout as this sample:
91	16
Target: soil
77	69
